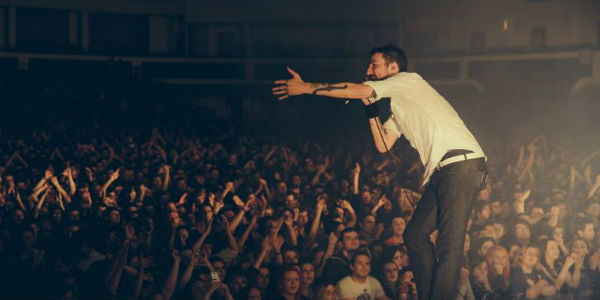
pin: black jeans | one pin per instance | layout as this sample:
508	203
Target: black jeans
446	206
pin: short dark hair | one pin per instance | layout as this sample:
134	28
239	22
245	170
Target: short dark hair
347	230
392	53
357	254
580	222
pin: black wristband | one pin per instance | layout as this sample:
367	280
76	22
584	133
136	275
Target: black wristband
371	111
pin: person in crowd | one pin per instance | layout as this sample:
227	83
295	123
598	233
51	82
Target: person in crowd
359	284
99	210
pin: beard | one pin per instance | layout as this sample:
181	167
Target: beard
374	78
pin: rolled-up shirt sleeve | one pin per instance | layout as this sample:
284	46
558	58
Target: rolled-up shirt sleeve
392	86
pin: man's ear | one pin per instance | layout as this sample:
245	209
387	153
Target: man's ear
394	68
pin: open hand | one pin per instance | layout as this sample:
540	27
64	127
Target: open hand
291	87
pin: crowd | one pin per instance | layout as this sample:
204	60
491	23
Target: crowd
91	212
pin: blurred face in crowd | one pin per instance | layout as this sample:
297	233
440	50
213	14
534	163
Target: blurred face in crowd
199	286
552	249
238	283
484	214
485	193
114	217
484	248
366	197
28	239
19	216
351	241
537	212
499	231
401	260
558	233
500	260
361	267
174	219
329	293
531	257
522	231
496	208
488	231
208	213
220	268
183	236
263	278
562	210
587	233
480	270
297	181
291	282
302	218
214	174
398	226
369	223
290	201
579	247
282	188
593	210
254	294
290	257
390	271
308	273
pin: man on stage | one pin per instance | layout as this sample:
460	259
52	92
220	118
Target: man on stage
454	162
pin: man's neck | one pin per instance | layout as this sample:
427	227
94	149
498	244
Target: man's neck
358	279
288	295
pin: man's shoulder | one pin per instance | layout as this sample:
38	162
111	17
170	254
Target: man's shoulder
373	280
337	260
407	75
345	281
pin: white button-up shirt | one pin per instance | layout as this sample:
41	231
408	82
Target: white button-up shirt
424	117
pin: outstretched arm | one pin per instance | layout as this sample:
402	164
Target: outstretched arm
296	86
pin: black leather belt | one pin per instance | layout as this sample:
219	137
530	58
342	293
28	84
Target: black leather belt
455	152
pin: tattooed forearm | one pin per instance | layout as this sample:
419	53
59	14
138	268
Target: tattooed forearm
326	87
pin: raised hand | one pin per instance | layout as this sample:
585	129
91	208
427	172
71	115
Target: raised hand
321	205
291	87
333	238
277	242
522	196
175	255
382	201
183	198
195	258
238	201
345	205
262	182
356	169
48	174
266	244
115	175
229	187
